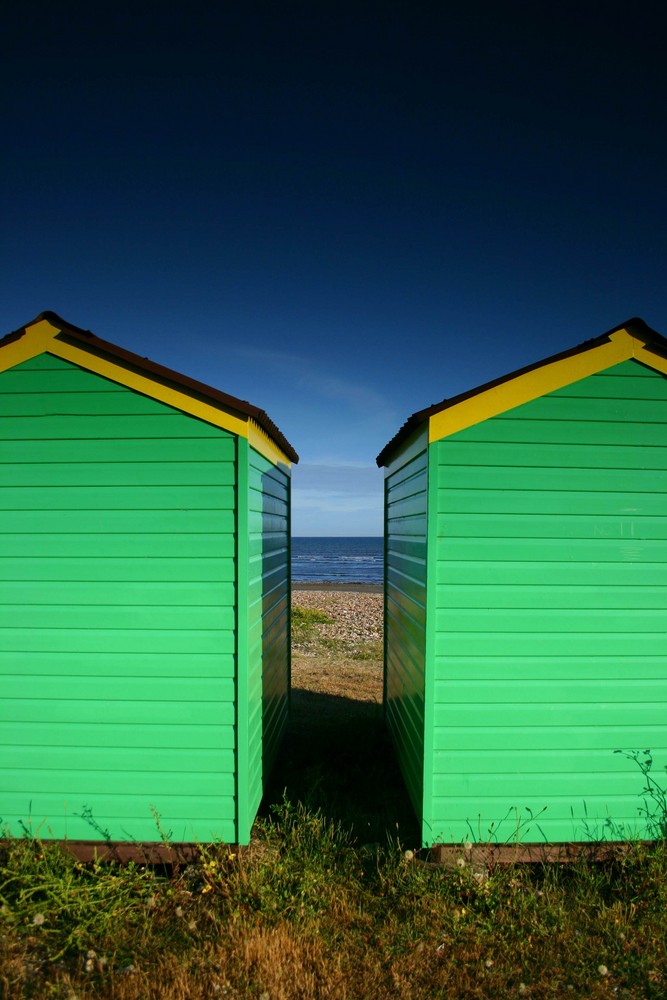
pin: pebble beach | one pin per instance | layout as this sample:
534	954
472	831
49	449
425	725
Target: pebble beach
356	611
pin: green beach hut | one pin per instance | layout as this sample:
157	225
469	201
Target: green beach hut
526	598
144	616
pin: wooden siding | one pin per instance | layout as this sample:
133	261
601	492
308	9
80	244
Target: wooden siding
551	614
268	619
406	488
117	620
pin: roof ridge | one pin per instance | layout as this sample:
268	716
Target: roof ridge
635	326
162	372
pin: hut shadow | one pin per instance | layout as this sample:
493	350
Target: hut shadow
336	757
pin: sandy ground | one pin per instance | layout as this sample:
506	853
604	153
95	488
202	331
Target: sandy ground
346	588
336	755
355	629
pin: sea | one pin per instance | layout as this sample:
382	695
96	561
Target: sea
338	560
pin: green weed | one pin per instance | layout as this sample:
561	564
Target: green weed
306	634
654	794
304	622
308	911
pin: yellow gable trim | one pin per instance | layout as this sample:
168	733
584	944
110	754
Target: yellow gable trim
42	337
149	387
647	357
622	346
36	340
261	442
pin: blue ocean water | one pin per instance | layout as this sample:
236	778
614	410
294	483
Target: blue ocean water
338	560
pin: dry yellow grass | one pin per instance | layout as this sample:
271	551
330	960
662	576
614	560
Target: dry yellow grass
326	904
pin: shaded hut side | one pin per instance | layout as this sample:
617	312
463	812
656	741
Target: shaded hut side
526	597
144	618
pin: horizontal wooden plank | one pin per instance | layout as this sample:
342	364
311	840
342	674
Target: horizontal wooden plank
538	692
75	451
489	736
406	726
597	573
55	380
44	735
111	688
72	555
54	760
408	560
131	594
404	653
560	714
407	608
562	526
529	620
410	506
408	527
407	486
170	423
138	841
137	617
104	474
607	386
272	541
148	666
563	761
591	482
539	667
414	547
510	833
494	596
115	713
548	550
515	426
555	407
113	568
405	650
78	782
512	501
112	640
534	455
511	810
543	642
406	576
264	505
405	670
215	524
110	809
117	498
269	481
81	404
276	523
519	786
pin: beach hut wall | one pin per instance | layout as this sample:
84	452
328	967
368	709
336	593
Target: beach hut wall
526	598
144	567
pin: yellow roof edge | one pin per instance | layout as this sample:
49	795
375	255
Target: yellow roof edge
529	385
49	334
632	339
262	443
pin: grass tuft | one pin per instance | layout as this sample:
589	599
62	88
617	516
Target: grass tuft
307	911
327	902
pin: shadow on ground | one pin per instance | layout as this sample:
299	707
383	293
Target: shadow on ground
337	757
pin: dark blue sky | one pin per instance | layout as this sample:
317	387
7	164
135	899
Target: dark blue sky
342	213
